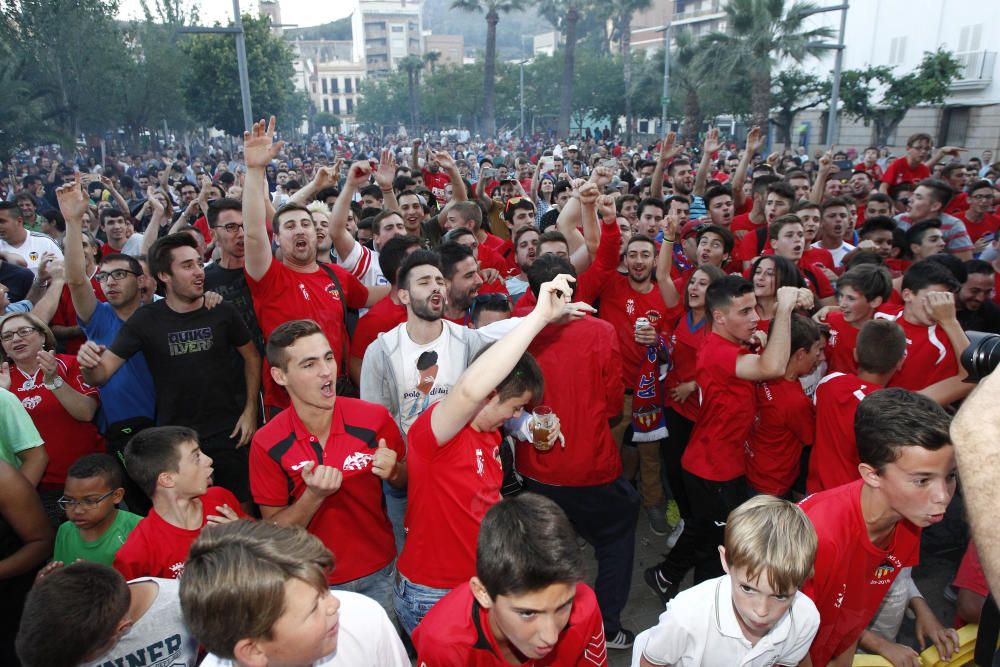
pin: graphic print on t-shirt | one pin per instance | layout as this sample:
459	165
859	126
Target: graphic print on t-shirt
192	340
419	397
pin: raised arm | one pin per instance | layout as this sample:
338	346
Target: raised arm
709	149
665	263
384	175
571	212
415	155
940	154
941	306
357	177
771	363
447	162
667	153
259	148
754	143
480	379
46	307
119	200
73	206
826	167
324	178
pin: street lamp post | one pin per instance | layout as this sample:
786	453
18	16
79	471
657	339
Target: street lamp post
831	124
665	100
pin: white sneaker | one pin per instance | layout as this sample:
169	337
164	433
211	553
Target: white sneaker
675	534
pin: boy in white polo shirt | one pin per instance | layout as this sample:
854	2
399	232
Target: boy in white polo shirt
755	614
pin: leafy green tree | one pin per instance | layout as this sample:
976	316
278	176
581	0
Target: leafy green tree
564	15
326	119
383	101
412	65
759	34
927	84
27	114
431	58
211	82
794	91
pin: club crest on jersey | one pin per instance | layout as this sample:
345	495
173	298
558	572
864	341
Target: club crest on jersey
653	316
332	290
833	338
884	570
630	307
357	461
33	255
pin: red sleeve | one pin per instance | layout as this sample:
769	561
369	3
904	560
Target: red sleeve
594	653
588	284
802	421
614	386
746	248
268	482
129	559
890	173
217	495
71	375
201	224
435	654
823	287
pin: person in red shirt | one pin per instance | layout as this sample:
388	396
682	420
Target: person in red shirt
860	292
583	385
785	419
298	286
434	178
714	467
169	466
527	559
954	175
778	199
869	529
719	204
320	463
932	363
833	461
787	237
869	164
980	221
748	222
453	460
912	167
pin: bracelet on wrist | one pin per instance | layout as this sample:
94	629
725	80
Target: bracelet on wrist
666	240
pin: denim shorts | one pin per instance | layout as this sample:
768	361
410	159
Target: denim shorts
413	601
377	586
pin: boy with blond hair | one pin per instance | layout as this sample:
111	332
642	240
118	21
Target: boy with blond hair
275	577
755	613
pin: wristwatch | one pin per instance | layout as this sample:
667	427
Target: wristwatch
58	382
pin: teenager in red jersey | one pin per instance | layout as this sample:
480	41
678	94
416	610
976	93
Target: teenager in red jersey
869	529
881	346
453	460
860	292
768	275
525	605
169	466
785	419
910	168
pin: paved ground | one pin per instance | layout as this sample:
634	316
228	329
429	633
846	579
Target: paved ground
942	549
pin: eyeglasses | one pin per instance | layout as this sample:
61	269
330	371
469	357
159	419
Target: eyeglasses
86	503
117	274
230	227
23	332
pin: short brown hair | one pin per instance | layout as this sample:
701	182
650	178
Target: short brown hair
37	324
233	586
291	206
284	337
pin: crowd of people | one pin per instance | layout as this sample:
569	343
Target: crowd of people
354	402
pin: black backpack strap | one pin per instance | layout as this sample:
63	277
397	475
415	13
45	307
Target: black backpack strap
761	239
349	322
989	629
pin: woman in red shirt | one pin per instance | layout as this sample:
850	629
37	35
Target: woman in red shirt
681	391
768	273
53	392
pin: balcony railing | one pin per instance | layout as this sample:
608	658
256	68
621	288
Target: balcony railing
977	70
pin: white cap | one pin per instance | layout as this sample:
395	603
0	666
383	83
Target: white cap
573	147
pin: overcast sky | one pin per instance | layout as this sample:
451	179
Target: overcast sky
302	12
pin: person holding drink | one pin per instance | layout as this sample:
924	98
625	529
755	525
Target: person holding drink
582	364
453	458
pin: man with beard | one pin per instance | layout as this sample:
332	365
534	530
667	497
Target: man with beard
226	276
462	280
298	286
836	218
976	310
128	403
181	339
525	251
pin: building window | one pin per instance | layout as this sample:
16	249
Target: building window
324	86
955	125
336	106
347	85
350	106
326	105
897	50
335	85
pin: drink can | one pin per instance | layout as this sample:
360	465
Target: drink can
641	322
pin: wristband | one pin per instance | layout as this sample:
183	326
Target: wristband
666	240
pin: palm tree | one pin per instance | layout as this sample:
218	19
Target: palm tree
759	33
412	66
564	15
622	18
492	9
431	58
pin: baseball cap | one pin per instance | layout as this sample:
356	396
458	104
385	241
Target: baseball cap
573	147
691	228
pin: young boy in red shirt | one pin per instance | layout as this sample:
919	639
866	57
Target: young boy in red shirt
169	466
860	292
785	419
869	529
713	462
910	168
526	603
881	345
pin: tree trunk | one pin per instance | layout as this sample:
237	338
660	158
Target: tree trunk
760	99
489	75
692	116
569	61
411	89
626	44
416	94
783	123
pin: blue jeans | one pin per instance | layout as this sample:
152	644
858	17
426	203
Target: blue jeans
377	586
413	601
395	506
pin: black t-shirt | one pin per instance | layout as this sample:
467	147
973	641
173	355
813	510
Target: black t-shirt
231	285
986	319
189	357
549	219
16	279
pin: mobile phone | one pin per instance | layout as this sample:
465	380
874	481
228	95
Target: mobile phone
547	163
610	164
487	173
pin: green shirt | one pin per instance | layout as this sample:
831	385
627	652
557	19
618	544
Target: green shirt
17	431
70	546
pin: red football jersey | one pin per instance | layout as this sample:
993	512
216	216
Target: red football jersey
66	438
852	575
988	225
728	406
785	423
450	488
834	458
456	632
156	548
583	385
620	307
841	344
686	339
352	522
900	171
282	295
436	182
929	358
65	316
